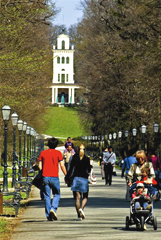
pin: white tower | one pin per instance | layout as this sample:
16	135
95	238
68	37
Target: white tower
63	85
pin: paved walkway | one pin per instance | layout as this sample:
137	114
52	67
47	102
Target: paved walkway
105	216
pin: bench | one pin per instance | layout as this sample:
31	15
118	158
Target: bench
24	185
13	201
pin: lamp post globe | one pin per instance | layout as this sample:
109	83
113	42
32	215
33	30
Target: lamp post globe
14	119
156	130
24	128
20	125
114	136
120	134
6	110
143	130
156	127
126	133
110	136
134	132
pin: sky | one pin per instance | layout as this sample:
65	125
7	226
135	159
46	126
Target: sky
69	13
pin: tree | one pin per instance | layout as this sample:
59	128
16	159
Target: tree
25	56
119	67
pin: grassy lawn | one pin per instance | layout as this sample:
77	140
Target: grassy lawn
63	122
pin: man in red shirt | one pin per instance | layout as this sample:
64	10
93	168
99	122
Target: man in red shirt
49	161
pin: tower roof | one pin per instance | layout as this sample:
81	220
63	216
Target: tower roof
62	35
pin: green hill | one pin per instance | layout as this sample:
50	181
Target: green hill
63	122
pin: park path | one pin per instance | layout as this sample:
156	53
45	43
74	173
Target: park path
105	216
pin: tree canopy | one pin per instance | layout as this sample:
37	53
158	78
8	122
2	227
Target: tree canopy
26	56
120	63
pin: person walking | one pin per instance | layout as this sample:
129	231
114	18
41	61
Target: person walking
128	161
69	143
135	173
102	162
80	168
109	164
68	152
49	161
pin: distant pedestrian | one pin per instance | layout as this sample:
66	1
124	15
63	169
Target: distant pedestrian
128	161
69	143
109	165
68	152
49	161
81	165
102	162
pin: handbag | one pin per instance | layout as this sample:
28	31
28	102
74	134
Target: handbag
92	178
38	180
114	172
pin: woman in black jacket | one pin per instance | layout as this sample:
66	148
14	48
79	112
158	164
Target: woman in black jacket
80	168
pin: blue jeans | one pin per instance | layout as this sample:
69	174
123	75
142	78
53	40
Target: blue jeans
51	183
137	204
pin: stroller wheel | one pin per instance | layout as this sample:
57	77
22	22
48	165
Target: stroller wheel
142	223
127	223
154	221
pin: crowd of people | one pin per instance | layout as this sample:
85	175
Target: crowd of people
140	173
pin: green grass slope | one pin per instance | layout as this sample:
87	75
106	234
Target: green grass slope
63	122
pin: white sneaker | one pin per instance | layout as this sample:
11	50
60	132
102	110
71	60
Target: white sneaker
79	219
81	213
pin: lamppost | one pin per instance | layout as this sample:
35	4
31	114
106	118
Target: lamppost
103	137
114	137
126	136
6	110
134	132
95	138
87	142
99	138
24	147
31	150
110	137
14	118
28	133
143	130
120	136
156	129
20	126
35	134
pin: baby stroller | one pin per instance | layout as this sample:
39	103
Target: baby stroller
141	217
